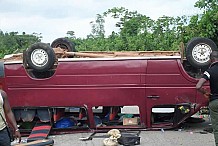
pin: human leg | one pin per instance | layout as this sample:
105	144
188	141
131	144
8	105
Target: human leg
213	106
4	138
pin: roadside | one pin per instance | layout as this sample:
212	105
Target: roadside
190	134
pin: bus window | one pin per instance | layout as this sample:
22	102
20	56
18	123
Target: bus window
116	116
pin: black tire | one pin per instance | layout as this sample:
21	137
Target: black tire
64	44
198	52
40	57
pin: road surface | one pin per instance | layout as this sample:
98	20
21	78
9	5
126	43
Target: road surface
191	134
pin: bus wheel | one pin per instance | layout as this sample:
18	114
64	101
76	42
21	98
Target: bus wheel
198	52
64	44
40	57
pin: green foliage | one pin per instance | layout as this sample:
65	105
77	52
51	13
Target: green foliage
13	42
207	5
206	24
98	27
137	32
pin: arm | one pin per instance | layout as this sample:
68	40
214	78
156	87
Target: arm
200	84
10	115
200	89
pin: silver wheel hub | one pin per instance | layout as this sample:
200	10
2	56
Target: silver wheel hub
201	53
39	57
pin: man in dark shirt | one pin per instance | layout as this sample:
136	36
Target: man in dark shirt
211	75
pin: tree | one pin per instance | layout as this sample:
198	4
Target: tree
205	25
137	32
98	27
71	34
13	42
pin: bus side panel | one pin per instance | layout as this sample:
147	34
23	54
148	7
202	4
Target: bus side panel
85	83
166	87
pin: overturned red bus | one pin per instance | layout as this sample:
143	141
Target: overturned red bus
138	92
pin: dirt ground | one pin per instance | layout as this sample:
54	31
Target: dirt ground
190	134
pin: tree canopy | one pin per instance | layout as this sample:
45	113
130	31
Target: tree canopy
13	42
137	32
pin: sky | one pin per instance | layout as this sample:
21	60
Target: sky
53	18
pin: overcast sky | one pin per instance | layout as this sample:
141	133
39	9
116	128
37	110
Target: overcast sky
53	18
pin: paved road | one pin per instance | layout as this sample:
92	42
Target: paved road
190	135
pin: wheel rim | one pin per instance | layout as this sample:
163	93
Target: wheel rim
39	57
201	53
